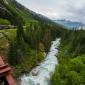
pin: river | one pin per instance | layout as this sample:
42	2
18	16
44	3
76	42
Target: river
41	74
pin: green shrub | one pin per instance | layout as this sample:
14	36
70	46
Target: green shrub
4	22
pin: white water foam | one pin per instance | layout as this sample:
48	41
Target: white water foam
41	74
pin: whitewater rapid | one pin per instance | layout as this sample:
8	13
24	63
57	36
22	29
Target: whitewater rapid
41	74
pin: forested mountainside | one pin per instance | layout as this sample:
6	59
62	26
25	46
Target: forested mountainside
24	46
71	58
12	10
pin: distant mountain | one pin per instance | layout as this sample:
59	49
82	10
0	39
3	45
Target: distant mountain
70	24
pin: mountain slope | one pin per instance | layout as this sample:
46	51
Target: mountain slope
25	45
10	9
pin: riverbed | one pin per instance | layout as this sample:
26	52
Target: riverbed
41	74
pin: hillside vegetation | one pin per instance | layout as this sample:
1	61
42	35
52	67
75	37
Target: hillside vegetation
4	22
24	46
71	57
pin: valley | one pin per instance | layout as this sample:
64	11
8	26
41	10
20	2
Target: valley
26	36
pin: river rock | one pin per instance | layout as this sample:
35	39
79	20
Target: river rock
34	72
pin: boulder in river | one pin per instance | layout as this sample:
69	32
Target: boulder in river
34	72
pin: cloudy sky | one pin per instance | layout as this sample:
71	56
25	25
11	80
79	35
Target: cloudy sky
58	9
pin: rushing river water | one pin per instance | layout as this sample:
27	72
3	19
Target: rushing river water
41	74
